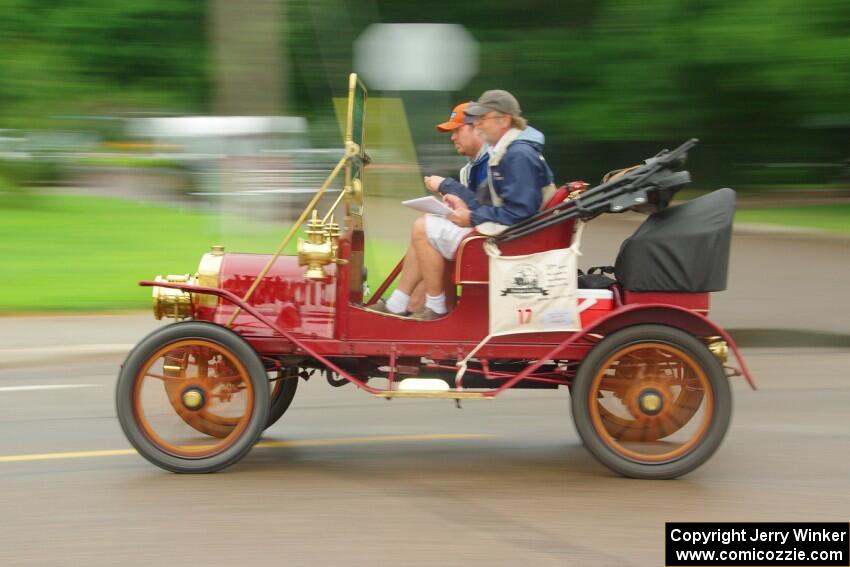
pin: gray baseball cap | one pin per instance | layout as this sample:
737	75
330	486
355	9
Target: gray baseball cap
494	101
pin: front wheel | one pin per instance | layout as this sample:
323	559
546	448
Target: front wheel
164	407
283	390
651	402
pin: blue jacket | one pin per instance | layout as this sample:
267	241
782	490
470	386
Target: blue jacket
518	179
476	186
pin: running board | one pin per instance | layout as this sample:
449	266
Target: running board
445	395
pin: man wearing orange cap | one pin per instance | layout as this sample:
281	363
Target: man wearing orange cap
473	176
435	239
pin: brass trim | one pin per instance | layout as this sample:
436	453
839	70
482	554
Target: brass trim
307	210
650	403
349	119
330	213
353	82
462	395
355	194
209	275
169	302
319	249
193	399
719	348
351	150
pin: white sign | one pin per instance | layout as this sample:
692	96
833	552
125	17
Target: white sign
534	293
416	57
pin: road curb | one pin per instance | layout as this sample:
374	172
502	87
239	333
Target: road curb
746	338
49	355
785	338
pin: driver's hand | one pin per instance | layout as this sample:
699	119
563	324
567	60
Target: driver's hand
432	182
454	202
460	217
460	214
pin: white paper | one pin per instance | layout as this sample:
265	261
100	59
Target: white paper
428	205
558	319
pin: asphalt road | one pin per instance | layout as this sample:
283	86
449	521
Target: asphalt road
359	481
345	479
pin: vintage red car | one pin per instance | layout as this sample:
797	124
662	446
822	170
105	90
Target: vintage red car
645	367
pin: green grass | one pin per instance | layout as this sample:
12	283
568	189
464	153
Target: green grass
834	218
89	253
129	161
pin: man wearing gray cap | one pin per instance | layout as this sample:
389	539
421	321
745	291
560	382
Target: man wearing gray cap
519	179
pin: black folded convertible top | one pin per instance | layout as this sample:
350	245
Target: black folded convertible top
681	249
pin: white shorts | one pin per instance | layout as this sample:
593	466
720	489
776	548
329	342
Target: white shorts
444	235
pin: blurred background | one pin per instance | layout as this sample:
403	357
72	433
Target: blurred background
135	134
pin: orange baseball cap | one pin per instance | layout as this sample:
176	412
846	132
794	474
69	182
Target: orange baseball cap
456	119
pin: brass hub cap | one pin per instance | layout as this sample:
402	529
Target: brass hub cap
193	398
650	402
647	399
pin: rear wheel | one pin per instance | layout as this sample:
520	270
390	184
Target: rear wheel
193	397
651	401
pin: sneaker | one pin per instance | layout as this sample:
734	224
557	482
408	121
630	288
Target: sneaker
427	314
380	306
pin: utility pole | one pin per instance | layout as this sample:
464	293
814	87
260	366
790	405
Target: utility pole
250	67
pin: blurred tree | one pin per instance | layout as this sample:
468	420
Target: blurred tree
607	80
743	75
96	56
250	65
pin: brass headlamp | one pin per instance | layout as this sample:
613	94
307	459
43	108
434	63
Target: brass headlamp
318	250
177	304
170	302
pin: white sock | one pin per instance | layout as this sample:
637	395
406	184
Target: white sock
397	303
436	303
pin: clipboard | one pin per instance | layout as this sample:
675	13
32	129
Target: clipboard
428	205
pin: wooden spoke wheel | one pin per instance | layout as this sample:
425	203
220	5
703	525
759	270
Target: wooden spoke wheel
177	366
641	377
193	397
651	401
202	384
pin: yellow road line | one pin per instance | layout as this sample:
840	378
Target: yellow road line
70	455
375	439
260	445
